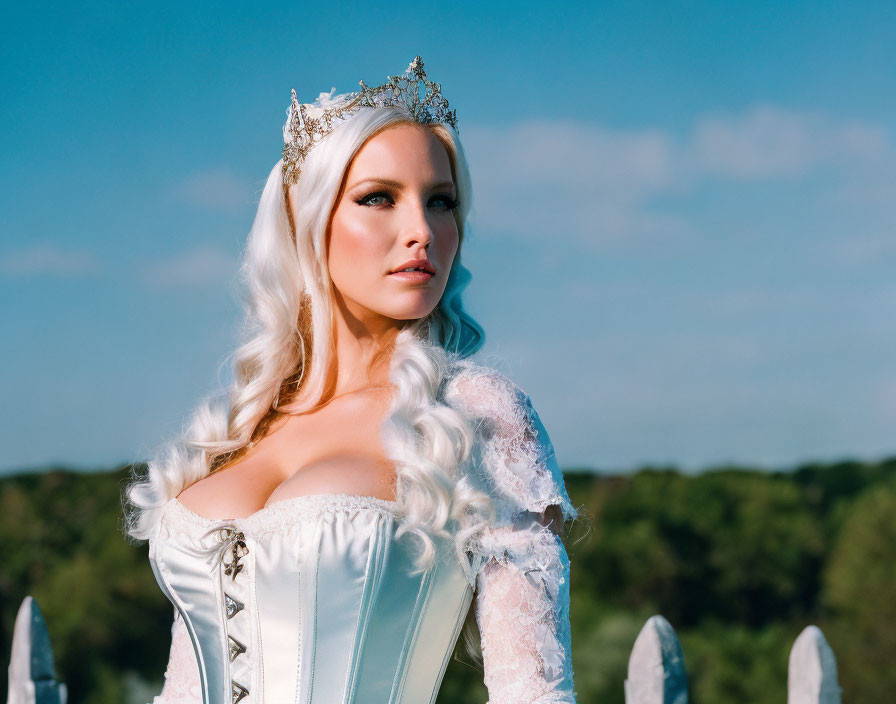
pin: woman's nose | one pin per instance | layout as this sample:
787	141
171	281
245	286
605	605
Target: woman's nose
416	229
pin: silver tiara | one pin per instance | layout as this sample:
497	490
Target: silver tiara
308	123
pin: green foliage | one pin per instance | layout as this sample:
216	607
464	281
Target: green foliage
600	655
860	593
738	561
96	591
737	546
732	663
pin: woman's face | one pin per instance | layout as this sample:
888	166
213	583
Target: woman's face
395	207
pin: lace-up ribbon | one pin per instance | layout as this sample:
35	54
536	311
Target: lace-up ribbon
233	541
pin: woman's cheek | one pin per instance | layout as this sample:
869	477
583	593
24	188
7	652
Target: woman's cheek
354	245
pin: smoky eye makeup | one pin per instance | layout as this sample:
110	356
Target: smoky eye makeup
385	197
369	198
450	203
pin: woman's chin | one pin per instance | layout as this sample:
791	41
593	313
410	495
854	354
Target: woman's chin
412	307
412	312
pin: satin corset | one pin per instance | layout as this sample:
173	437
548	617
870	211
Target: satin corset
310	600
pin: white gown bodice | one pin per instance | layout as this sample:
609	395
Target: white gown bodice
311	600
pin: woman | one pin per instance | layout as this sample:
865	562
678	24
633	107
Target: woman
324	532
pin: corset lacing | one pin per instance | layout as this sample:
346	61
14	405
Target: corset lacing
232	543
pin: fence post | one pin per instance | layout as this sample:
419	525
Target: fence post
812	670
32	675
656	672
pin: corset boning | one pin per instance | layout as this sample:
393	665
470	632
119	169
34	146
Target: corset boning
311	601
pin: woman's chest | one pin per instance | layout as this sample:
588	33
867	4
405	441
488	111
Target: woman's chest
337	452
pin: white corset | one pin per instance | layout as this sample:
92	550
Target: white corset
310	600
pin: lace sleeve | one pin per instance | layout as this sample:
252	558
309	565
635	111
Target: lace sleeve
182	675
522	585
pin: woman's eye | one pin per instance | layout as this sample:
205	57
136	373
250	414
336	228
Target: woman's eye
444	201
375	199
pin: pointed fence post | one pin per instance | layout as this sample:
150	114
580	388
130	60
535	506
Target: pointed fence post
32	675
656	672
812	670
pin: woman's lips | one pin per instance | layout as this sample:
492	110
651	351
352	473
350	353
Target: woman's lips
412	276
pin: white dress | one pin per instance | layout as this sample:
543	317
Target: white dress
311	600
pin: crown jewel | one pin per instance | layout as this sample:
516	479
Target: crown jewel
306	124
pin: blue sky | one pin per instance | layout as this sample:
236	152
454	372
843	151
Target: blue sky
683	239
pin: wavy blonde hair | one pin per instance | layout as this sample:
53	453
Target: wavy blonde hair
288	350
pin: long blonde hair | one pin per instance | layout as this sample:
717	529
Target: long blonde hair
288	348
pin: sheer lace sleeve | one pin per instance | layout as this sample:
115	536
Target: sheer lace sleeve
182	675
522	585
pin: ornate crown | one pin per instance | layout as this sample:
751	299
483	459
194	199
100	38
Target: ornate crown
308	123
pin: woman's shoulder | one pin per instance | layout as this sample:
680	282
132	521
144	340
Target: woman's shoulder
516	461
484	391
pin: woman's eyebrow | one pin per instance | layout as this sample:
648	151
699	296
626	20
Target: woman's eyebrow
397	185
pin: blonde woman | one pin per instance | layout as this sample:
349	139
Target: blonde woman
325	528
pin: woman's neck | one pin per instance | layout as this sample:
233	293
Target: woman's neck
363	349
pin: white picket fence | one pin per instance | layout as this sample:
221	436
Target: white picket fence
32	675
656	669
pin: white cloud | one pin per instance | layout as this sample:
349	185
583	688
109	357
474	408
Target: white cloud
214	189
603	186
771	142
46	259
197	267
542	179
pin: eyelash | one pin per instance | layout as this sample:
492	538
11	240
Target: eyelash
450	203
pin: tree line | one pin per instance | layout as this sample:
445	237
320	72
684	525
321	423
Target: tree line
739	560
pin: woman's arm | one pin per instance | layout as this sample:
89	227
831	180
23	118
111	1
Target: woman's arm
522	585
182	684
522	609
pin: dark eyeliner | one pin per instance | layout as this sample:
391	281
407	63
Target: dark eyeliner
376	194
450	203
